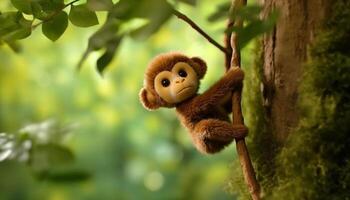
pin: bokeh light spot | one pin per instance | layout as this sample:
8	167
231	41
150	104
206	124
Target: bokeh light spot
154	181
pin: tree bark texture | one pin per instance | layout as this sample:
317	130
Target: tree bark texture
285	51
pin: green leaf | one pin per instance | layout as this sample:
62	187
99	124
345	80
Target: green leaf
100	5
128	9
131	25
47	156
54	28
81	16
22	5
123	9
67	175
101	38
14	26
146	9
247	13
105	34
222	11
18	34
9	22
255	28
250	12
108	56
51	6
14	46
38	11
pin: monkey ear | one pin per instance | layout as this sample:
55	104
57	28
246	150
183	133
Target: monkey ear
200	66
148	100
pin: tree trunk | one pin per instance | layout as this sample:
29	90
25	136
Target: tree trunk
299	132
284	52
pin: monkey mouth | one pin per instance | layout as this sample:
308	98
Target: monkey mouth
184	89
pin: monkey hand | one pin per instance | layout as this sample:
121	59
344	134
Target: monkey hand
233	68
234	76
237	71
241	131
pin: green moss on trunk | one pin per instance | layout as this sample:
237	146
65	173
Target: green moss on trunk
315	162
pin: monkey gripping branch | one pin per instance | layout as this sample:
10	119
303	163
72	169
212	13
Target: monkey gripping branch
172	80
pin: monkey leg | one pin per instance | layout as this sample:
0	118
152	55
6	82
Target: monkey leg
212	135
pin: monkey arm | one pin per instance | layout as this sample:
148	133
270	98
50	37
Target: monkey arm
229	82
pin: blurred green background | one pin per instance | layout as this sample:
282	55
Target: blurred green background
116	149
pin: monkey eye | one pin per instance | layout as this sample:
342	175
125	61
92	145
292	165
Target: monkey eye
182	73
165	82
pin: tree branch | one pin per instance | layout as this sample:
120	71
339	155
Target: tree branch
227	41
199	30
236	54
237	116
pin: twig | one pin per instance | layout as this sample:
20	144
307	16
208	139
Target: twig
54	14
199	30
227	41
243	154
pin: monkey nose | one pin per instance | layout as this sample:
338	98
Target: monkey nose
180	81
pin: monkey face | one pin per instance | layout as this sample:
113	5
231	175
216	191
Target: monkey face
178	84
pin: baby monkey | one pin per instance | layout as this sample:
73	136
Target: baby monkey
172	80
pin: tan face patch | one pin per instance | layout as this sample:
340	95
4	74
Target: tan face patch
178	84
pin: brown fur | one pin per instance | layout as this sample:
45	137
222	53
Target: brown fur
206	120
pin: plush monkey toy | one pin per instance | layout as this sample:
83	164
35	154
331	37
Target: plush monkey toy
172	80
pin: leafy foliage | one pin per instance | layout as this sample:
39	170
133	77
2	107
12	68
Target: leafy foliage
49	13
109	36
52	15
14	26
253	24
54	21
55	162
129	153
40	147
